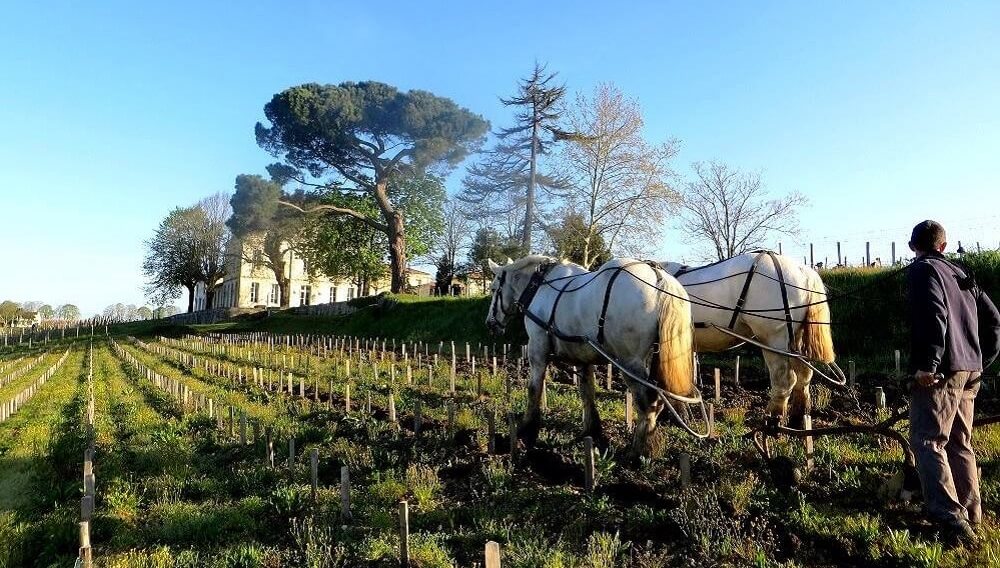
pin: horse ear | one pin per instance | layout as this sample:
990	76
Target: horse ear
493	266
509	261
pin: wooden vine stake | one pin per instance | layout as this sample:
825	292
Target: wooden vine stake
629	410
492	555
404	534
345	492
717	375
314	472
588	464
491	430
86	555
685	466
808	441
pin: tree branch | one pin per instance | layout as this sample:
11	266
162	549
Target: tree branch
339	211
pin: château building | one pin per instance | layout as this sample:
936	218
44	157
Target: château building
250	283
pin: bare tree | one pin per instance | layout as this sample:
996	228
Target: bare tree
213	243
730	210
450	244
622	187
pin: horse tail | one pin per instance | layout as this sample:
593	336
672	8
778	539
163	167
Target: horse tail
817	338
674	369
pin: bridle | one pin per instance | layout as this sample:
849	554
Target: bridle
498	300
522	303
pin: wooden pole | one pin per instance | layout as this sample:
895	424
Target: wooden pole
736	372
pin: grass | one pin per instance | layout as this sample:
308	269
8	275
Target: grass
176	490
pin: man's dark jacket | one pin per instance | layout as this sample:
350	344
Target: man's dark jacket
954	324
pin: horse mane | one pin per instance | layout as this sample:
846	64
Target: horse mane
533	260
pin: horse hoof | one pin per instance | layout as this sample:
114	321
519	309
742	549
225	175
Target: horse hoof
796	422
528	433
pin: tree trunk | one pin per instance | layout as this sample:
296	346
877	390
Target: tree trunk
285	292
209	297
190	297
397	252
529	204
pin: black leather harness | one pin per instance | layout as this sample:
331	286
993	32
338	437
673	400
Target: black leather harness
741	301
538	279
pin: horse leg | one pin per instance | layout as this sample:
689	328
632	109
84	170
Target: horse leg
801	402
528	430
650	405
591	420
782	383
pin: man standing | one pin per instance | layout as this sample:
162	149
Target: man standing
955	334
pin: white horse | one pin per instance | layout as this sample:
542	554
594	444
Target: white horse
762	279
645	330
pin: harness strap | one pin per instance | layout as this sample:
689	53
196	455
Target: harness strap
555	304
604	308
743	293
784	299
528	295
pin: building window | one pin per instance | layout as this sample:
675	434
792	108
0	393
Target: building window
275	293
350	293
304	293
305	267
254	292
333	294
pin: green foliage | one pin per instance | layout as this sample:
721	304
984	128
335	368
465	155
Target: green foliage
316	127
341	246
171	259
574	241
488	245
377	143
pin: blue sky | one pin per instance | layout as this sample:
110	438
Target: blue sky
112	113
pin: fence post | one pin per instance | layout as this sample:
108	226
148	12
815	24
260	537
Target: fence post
736	372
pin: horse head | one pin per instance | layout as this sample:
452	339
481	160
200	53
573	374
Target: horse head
509	282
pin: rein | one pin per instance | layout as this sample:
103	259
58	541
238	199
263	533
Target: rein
527	296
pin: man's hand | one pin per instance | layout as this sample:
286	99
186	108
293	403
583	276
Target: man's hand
926	379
